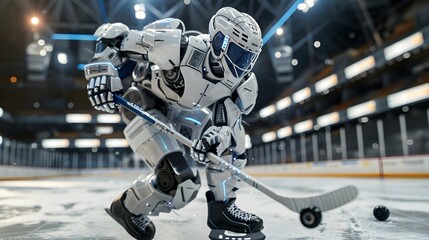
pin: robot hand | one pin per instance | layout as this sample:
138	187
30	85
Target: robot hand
100	92
214	139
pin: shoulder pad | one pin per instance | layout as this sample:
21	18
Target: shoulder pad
111	30
248	92
167	23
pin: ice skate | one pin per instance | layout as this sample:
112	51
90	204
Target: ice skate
227	221
140	227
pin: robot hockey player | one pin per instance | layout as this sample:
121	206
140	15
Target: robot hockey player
176	75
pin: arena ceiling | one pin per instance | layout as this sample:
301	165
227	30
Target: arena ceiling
35	106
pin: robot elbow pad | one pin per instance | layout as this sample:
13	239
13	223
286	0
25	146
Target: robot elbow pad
248	92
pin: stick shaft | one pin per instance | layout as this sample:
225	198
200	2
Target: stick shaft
185	141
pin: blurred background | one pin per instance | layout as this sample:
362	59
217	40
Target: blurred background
343	85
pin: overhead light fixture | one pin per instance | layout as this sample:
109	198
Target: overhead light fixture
408	96
269	136
1	140
303	126
359	67
267	111
403	46
247	142
277	54
306	5
279	31
109	118
317	44
294	62
283	103
35	21
55	143
284	132
140	11
62	58
101	130
1	112
87	143
326	83
116	143
328	119
361	109
301	95
78	118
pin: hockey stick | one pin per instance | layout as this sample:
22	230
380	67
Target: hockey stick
326	201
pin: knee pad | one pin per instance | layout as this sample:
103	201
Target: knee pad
173	185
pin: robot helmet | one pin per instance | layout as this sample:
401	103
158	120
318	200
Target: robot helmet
235	40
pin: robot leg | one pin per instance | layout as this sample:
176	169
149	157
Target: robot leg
226	220
220	181
173	184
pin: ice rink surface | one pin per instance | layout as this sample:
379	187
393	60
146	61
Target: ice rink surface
73	208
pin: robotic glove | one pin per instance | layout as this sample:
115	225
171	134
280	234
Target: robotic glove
100	92
214	139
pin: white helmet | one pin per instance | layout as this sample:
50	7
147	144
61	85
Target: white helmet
235	40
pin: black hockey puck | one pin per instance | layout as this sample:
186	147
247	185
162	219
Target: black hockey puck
310	216
381	212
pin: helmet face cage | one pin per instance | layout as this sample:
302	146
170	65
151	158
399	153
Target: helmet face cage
235	41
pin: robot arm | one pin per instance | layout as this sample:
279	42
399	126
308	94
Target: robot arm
227	130
118	46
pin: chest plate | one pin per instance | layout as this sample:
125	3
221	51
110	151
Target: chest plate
200	91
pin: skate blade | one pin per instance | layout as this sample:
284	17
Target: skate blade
111	215
216	234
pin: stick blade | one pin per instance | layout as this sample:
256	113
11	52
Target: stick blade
325	202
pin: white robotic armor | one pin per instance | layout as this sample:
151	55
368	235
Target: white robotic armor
189	123
164	47
234	121
149	143
199	91
134	43
167	23
158	87
111	30
248	92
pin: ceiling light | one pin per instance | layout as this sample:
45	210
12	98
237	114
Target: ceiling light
301	95
279	31
316	44
269	136
361	109
116	143
408	96
359	67
303	126
326	83
294	62
283	103
284	132
267	111
55	143
87	143
103	130
78	118
328	119
35	21
109	118
405	45
62	58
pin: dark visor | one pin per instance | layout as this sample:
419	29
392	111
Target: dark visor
239	56
217	43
